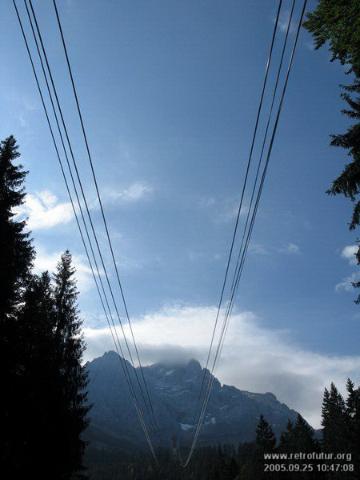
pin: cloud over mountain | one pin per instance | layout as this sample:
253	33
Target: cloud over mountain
254	357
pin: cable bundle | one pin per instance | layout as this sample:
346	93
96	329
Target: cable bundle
90	239
253	182
256	192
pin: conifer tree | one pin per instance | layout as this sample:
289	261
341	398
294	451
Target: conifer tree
69	347
16	256
299	438
34	415
334	421
265	438
16	250
265	443
43	406
303	436
337	23
287	440
353	417
52	389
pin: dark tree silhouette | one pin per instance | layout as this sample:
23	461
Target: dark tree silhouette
69	345
287	438
34	414
304	436
353	418
265	438
334	421
16	256
265	442
16	250
43	406
299	438
54	396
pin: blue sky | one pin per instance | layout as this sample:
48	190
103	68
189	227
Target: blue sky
169	91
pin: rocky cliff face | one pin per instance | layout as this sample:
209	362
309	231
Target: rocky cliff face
231	417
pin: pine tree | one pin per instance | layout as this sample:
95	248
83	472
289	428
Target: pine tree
265	438
353	417
334	421
265	443
53	397
299	438
16	256
43	405
303	436
33	417
287	441
16	250
69	347
337	23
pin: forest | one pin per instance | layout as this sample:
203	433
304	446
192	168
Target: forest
339	435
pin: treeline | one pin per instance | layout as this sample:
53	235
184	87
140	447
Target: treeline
43	401
340	435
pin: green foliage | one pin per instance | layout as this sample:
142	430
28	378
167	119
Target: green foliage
337	23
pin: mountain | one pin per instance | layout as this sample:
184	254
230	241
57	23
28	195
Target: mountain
232	414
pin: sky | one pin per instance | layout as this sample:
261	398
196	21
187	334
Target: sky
169	91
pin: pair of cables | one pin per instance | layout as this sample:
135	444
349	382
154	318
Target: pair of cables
80	206
256	192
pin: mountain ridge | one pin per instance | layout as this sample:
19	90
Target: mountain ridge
174	388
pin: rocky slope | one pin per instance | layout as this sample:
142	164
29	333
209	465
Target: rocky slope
231	417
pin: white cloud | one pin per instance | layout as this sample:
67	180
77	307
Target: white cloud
254	358
207	202
291	248
48	261
258	249
44	211
349	252
284	20
222	210
346	284
133	193
195	255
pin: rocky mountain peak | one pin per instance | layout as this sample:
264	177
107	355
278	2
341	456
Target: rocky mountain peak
231	416
194	366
